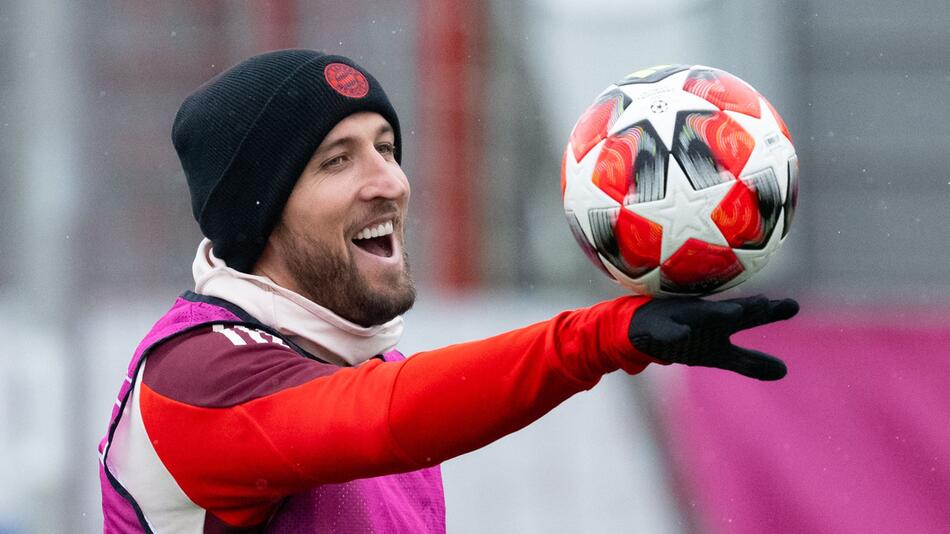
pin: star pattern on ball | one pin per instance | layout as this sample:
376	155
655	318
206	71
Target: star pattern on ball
684	213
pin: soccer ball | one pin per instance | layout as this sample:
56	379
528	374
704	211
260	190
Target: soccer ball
680	180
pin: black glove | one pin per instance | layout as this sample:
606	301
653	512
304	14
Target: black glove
693	331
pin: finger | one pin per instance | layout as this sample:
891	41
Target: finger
708	313
753	364
776	310
780	310
754	308
753	302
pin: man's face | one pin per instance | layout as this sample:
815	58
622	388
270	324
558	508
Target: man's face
323	247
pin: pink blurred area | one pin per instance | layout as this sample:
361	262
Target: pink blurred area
856	439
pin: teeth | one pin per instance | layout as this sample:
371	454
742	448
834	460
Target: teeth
377	231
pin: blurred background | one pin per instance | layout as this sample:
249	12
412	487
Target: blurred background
97	238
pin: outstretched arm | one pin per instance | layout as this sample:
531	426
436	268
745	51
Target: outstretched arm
257	422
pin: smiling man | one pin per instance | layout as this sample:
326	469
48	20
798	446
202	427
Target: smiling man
271	398
340	240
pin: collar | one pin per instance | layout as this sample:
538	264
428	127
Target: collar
313	327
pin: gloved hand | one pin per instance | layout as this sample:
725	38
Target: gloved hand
693	331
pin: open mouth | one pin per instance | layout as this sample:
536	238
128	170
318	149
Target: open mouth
377	240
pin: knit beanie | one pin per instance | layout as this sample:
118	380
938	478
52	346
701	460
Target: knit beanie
245	136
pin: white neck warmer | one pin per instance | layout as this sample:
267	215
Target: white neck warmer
313	327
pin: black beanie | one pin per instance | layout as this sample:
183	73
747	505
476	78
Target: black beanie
245	136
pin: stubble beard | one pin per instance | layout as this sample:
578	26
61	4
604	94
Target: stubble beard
334	281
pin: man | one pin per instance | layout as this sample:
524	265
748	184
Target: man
271	398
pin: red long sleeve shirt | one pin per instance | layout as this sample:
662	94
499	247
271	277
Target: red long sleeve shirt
241	423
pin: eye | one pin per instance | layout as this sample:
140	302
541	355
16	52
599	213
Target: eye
334	162
386	149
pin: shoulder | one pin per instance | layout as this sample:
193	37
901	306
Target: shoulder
221	365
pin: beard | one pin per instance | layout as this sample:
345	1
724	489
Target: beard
333	280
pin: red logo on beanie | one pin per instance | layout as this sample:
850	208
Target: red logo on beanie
346	80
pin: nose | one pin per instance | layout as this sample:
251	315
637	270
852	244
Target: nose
384	179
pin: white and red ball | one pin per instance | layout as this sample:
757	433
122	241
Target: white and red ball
680	180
